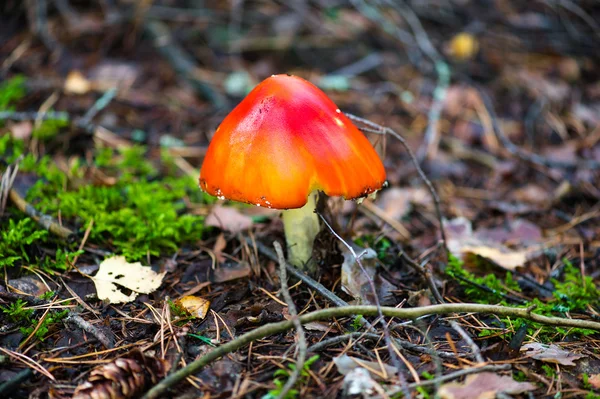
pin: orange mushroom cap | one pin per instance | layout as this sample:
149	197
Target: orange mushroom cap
285	140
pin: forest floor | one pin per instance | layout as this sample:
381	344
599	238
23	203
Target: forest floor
106	112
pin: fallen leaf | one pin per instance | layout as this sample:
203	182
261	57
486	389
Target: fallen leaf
345	364
111	74
359	382
218	247
489	243
116	272
550	354
355	280
483	386
194	306
76	83
594	381
397	202
228	219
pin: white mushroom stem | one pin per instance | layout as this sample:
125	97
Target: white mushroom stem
301	226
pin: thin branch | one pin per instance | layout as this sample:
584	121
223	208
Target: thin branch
43	220
325	314
181	61
524	154
312	283
376	337
386	331
378	129
302	346
474	348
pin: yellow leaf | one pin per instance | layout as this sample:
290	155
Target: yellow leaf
116	272
195	306
76	83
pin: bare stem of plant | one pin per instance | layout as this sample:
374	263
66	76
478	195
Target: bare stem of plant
378	129
302	346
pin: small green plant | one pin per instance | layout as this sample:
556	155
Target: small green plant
282	375
381	245
357	322
11	91
17	311
51	318
49	128
15	240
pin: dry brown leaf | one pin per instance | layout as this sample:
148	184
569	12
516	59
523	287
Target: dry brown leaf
194	306
228	219
489	243
550	354
397	202
594	381
483	386
218	247
116	271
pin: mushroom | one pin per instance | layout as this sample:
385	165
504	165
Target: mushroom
284	142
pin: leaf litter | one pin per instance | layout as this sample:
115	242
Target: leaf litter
538	222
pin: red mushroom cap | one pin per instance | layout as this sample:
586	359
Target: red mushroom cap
285	140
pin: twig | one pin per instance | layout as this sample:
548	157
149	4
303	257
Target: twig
8	178
432	134
426	274
302	346
8	386
43	220
474	348
386	331
324	314
378	129
181	61
524	154
98	106
315	285
34	115
375	337
90	328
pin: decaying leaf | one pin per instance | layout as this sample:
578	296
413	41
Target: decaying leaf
346	364
489	243
483	386
355	281
550	354
194	306
229	219
126	377
359	382
116	272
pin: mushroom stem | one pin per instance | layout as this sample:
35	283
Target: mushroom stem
301	226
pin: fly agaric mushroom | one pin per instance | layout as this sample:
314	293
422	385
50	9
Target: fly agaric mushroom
284	142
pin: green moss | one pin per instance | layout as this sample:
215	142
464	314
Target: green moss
11	91
138	216
49	128
570	294
16	238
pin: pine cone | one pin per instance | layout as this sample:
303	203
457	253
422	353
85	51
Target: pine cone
126	377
